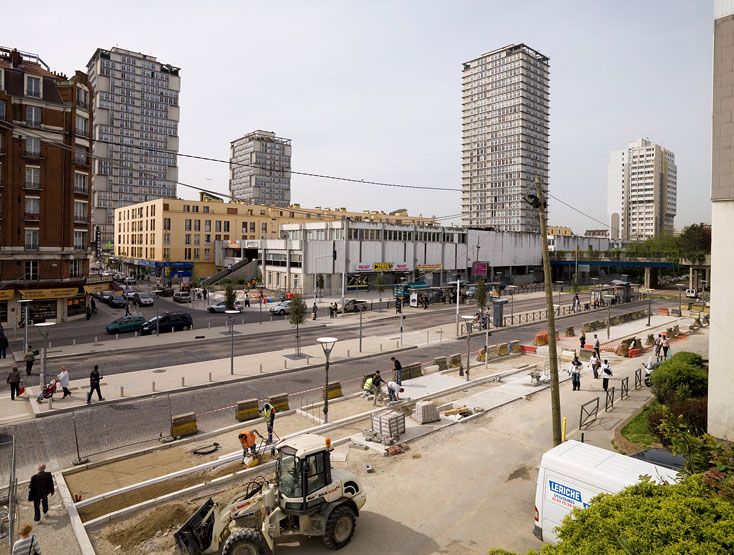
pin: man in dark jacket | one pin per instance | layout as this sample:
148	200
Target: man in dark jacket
41	486
398	370
3	345
14	381
94	379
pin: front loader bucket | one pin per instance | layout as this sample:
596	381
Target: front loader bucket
195	536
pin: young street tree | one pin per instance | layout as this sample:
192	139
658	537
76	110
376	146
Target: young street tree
297	317
380	284
480	295
320	283
229	295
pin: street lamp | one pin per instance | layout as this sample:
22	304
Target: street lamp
24	303
157	293
702	304
680	287
469	323
560	288
609	298
327	344
230	317
512	303
402	321
43	329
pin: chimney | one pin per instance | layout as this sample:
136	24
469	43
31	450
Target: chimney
15	58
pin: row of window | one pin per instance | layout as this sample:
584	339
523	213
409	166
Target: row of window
32	267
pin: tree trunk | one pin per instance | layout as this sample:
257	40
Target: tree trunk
298	342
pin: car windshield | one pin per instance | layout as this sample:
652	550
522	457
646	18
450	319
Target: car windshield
289	479
144	295
152	320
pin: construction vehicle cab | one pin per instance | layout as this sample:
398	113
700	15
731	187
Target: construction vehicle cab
308	498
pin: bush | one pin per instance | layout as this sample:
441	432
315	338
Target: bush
654	418
694	413
676	380
689	358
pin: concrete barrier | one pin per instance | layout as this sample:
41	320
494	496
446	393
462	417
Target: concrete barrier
411	371
632	353
503	349
528	348
246	410
541	338
455	360
569	332
585	354
279	402
567	355
184	425
493	352
663	311
515	346
334	390
441	362
431	369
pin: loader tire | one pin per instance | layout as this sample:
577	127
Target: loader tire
246	541
339	527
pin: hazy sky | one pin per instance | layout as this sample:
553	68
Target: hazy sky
372	89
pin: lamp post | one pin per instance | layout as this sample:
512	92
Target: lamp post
230	317
327	344
458	284
649	309
25	303
512	303
402	321
43	329
609	298
469	323
560	289
702	304
157	293
680	287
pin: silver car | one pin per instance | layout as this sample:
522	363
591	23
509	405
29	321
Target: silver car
221	306
141	298
282	308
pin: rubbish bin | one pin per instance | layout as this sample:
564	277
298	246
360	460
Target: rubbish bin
497	312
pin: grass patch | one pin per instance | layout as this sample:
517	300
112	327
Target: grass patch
638	430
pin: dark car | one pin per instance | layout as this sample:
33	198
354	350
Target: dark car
168	322
166	292
105	296
353	305
117	301
661	457
125	324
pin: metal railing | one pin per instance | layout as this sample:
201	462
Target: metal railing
624	388
589	415
638	378
609	399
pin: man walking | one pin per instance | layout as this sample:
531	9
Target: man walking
94	379
597	347
582	340
606	373
594	363
3	345
41	486
64	380
29	359
575	371
398	370
315	311
14	381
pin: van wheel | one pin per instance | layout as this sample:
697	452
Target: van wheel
339	527
281	313
246	541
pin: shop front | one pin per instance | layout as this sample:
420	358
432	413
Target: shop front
50	303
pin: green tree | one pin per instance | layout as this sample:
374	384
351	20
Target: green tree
297	317
694	242
320	283
480	294
230	296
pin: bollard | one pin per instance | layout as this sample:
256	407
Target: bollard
117	336
285	363
397	344
243	321
380	347
261	368
271	316
95	339
427	332
135	334
308	360
347	353
210	325
210	376
49	344
50	403
153	388
183	381
122	391
73	342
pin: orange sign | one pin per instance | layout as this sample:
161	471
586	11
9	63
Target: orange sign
96	287
61	293
7	294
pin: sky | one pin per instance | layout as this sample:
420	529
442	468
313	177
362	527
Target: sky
371	89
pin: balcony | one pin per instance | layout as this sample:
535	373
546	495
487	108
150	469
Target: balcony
31	153
81	189
80	219
32	216
32	186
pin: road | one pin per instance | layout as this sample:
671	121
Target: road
103	428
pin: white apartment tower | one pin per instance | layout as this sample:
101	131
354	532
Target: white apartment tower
505	110
642	191
260	169
136	115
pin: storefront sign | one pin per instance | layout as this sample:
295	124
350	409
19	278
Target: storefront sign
480	269
400	267
7	294
61	293
98	279
76	306
430	267
96	288
252	244
363	267
414	300
42	310
382	266
232	245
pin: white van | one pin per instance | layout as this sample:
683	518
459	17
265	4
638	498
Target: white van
573	473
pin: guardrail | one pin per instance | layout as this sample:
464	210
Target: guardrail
624	388
609	401
589	415
638	378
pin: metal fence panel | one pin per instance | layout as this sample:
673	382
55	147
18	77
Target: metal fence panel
624	389
638	378
589	412
609	401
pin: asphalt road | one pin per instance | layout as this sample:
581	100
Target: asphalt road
103	428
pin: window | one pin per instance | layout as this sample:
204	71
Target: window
33	86
207	254
81	183
80	239
82	125
207	225
218	226
31	270
197	225
315	473
80	211
186	208
196	254
207	239
205	209
75	269
197	239
187	225
166	254
226	226
187	254
2	110
167	224
32	146
31	240
33	116
32	207
82	98
33	178
80	156
187	239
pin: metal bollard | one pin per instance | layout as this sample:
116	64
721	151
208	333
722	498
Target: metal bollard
153	388
380	347
271	316
135	334
210	325
397	344
261	368
308	360
50	403
210	376
427	336
95	339
243	321
73	342
49	344
347	353
285	363
183	381
117	336
122	391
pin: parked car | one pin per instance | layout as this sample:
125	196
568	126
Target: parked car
221	306
168	322
166	292
125	324
353	305
129	295
141	298
182	297
105	296
282	308
117	301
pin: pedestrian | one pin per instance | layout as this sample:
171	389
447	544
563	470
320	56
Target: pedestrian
576	303
93	304
13	380
377	380
268	414
594	364
247	299
336	310
64	380
331	311
666	346
94	379
606	373
393	391
575	371
41	486
248	441
597	347
315	311
29	358
88	312
206	294
398	370
3	345
582	340
658	347
27	544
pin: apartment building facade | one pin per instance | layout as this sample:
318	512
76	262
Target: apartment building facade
642	190
175	237
260	169
505	126
45	179
135	131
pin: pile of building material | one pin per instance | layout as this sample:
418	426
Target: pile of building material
386	427
425	412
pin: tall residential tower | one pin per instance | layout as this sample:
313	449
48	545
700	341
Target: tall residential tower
642	191
505	108
136	117
260	169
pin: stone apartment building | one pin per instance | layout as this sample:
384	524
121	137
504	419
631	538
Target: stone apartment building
45	180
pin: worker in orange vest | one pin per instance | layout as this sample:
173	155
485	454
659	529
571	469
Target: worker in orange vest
248	440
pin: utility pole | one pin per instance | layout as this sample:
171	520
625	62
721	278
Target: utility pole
552	352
